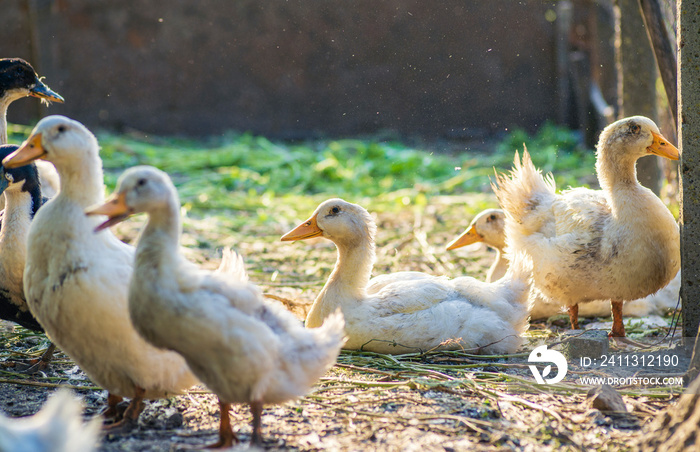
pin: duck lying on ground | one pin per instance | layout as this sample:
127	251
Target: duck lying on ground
410	311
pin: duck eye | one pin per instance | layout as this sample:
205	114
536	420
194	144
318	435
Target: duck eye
141	182
335	210
492	217
61	129
635	128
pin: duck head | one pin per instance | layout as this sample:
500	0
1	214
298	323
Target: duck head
638	136
337	220
18	79
57	139
139	189
488	227
24	178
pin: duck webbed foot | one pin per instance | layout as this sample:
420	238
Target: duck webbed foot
130	417
115	408
227	437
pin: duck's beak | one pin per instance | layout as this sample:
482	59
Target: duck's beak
29	151
661	147
467	238
306	230
114	207
42	91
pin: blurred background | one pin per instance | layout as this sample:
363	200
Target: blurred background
457	70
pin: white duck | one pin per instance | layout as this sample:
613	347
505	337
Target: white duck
76	282
21	191
58	427
488	227
618	243
17	80
245	348
409	311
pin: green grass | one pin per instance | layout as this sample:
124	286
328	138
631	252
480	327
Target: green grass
252	174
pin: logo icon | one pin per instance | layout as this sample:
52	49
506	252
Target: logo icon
542	355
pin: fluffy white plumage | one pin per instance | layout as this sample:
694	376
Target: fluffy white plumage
489	227
77	282
58	427
245	348
410	311
618	243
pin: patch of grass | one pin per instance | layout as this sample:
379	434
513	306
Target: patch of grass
252	174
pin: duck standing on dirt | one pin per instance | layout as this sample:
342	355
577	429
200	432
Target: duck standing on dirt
77	282
245	348
488	227
410	311
618	243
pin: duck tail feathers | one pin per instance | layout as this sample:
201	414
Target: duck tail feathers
320	351
232	265
523	189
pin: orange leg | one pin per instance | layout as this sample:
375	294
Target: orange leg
618	328
112	412
256	408
573	316
131	415
227	437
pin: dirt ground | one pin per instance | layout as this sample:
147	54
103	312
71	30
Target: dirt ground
449	401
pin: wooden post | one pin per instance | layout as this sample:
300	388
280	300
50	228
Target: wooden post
665	58
563	23
689	145
636	74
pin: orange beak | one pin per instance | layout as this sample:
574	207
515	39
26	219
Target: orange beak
306	230
661	147
467	238
114	207
29	151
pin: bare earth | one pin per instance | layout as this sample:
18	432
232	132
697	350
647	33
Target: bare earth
433	401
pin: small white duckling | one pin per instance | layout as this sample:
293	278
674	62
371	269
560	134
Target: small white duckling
409	311
58	427
245	348
76	282
618	243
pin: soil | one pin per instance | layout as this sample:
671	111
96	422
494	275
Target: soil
434	401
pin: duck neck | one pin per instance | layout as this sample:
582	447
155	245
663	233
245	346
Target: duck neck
19	210
83	182
159	241
348	281
4	104
617	174
498	268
